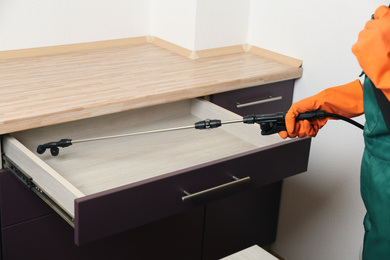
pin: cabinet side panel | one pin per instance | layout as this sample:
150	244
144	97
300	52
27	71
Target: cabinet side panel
17	203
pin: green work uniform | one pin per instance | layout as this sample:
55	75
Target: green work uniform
375	179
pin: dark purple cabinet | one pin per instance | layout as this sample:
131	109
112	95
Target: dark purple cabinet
147	225
239	217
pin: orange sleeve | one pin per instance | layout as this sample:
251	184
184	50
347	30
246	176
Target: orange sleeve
372	49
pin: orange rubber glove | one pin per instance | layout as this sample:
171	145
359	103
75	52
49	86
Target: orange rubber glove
345	100
372	49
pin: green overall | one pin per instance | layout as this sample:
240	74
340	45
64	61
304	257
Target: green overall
375	179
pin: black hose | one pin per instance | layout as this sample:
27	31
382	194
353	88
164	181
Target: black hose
345	119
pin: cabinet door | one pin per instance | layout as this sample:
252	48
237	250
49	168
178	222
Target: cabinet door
241	220
50	237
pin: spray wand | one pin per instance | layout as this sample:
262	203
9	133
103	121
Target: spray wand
269	124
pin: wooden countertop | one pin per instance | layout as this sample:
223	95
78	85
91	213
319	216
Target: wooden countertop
51	89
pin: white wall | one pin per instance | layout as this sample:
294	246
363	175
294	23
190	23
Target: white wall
28	24
322	212
174	21
200	24
192	24
221	23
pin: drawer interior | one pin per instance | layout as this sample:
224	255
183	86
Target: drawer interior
84	166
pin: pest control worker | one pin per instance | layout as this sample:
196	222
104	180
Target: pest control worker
372	51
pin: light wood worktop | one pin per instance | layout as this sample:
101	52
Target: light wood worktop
51	89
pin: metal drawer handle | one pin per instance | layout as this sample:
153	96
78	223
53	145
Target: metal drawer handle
270	99
220	187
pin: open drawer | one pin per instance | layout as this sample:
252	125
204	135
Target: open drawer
108	186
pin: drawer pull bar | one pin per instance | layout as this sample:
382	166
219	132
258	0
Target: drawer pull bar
236	181
270	99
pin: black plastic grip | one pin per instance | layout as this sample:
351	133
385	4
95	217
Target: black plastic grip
280	117
311	115
274	123
265	118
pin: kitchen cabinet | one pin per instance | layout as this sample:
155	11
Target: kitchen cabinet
175	195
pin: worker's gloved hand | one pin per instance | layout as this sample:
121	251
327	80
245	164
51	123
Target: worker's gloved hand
372	49
345	100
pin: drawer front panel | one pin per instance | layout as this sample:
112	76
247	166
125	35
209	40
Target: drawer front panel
265	99
111	212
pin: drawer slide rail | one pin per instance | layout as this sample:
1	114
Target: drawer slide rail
28	182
